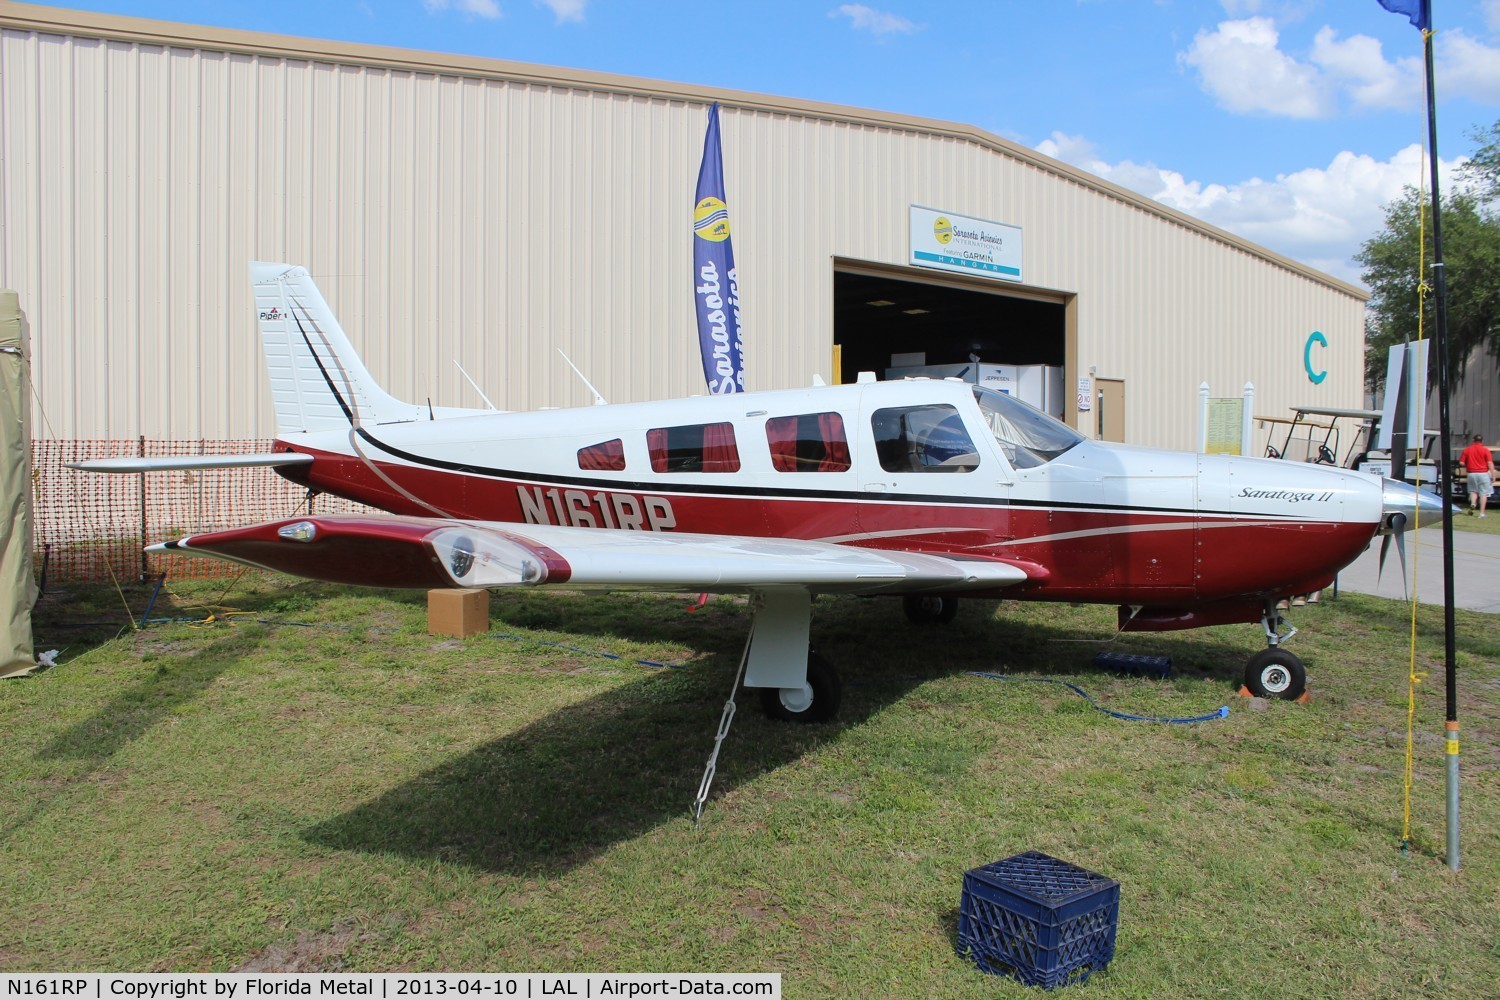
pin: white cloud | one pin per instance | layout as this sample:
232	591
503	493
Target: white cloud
876	22
566	10
1491	9
1283	11
1357	65
1319	216
1240	64
477	8
1468	67
1074	149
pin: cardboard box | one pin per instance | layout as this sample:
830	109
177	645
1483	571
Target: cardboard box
458	612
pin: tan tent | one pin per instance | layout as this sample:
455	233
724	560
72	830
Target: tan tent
17	585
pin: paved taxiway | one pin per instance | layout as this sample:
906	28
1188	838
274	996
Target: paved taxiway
1476	569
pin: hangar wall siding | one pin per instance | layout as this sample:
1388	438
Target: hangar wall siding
1474	406
488	212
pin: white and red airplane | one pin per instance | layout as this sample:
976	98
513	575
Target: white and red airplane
926	489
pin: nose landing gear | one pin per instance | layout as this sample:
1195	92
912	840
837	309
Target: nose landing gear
1274	672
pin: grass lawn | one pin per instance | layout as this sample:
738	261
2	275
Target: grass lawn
319	785
1487	525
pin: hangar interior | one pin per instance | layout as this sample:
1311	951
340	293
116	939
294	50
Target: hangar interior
880	317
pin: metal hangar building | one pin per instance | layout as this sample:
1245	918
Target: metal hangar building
458	209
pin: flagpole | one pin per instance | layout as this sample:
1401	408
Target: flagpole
1445	443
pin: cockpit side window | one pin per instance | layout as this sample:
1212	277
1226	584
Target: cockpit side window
808	442
1028	436
930	438
693	448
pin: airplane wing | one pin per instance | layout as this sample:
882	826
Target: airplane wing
392	551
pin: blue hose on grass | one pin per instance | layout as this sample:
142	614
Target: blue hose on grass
1222	713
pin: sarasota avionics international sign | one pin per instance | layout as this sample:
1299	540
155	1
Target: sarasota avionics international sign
969	246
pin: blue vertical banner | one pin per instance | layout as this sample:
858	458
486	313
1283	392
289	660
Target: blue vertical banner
1419	12
716	290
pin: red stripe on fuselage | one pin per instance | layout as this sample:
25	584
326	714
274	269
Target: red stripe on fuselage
1096	555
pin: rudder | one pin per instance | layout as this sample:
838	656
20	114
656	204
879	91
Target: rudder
318	382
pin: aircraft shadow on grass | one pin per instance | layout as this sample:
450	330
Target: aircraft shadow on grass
602	771
605	770
136	709
132	713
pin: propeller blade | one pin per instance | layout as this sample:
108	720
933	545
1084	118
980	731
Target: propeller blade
1398	533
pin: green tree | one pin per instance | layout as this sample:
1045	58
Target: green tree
1392	267
1483	168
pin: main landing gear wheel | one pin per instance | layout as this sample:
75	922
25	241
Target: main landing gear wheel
1275	673
816	701
929	609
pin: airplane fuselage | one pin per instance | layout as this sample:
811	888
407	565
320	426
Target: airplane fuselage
844	464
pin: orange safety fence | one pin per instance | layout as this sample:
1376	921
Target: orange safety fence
88	523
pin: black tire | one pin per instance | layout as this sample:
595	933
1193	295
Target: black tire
826	689
929	609
1275	673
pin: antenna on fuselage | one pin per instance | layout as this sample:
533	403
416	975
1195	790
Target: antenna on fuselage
598	399
474	385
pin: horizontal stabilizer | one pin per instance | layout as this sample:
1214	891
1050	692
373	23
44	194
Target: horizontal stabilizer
187	463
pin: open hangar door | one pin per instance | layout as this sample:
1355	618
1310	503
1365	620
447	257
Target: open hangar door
881	321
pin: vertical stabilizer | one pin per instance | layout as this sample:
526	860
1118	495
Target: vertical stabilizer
318	381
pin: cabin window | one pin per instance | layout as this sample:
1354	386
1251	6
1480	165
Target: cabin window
808	442
923	439
606	457
694	448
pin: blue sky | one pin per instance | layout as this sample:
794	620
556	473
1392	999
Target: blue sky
1290	122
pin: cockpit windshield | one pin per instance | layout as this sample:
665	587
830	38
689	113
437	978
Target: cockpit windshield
1028	436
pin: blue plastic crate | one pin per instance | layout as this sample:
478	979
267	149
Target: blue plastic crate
1134	664
1040	920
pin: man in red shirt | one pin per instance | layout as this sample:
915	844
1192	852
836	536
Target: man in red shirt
1479	463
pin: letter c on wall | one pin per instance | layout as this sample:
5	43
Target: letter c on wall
1315	338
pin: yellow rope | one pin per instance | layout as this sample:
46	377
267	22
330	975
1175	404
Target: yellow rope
1413	677
218	616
